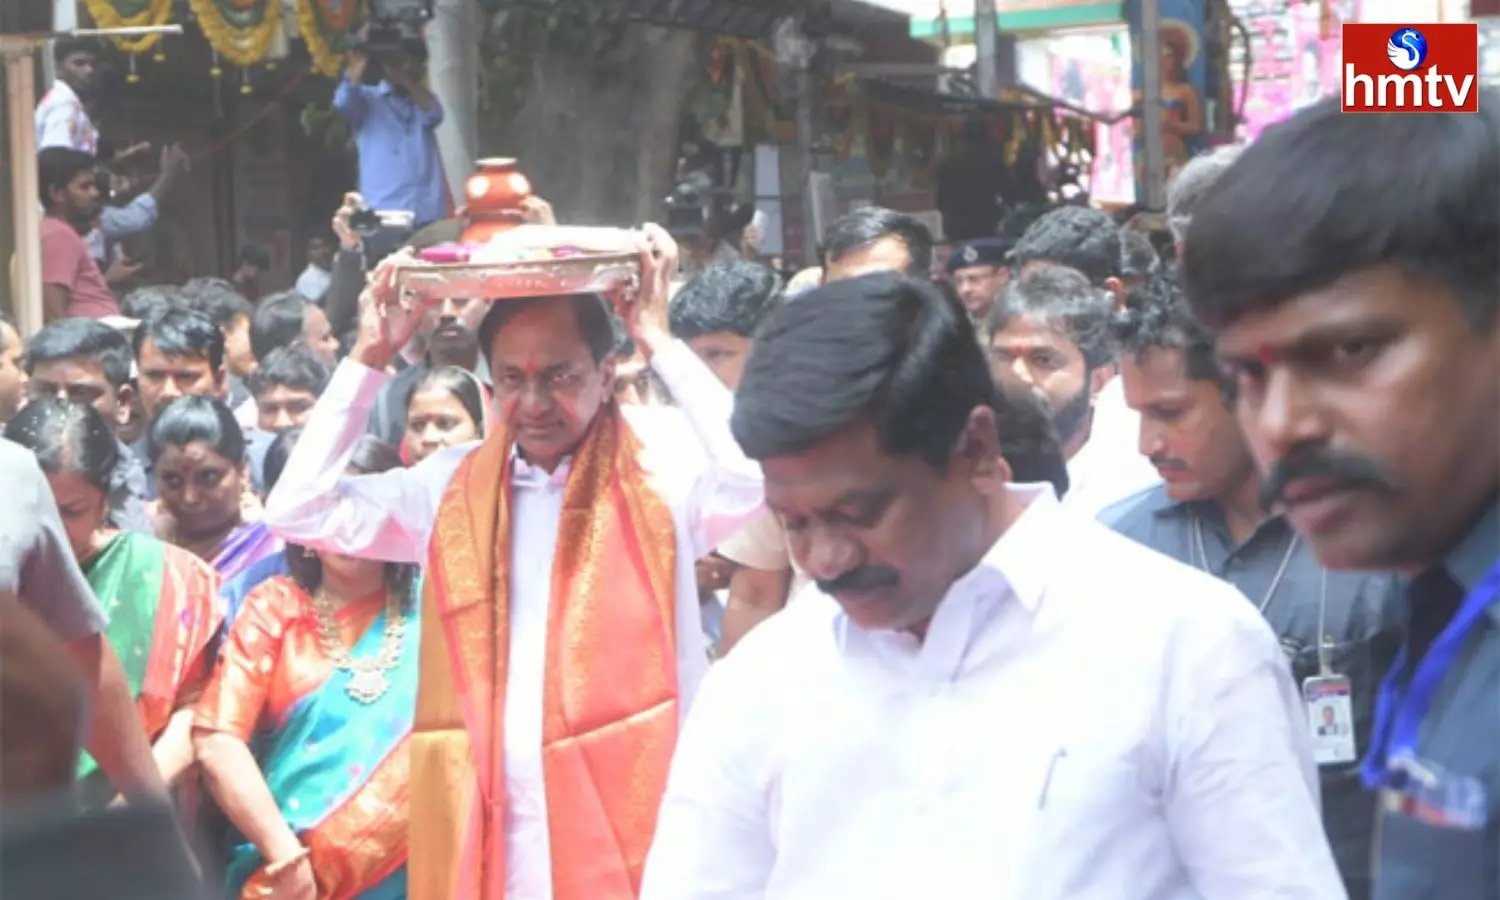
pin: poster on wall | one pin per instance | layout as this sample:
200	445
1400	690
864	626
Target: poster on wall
1101	85
1293	58
1182	69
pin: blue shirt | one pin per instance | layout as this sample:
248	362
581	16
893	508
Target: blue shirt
1460	734
399	166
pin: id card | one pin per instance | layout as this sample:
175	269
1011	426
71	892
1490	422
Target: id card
1330	718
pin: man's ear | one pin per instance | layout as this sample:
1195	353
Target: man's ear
221	383
1117	287
1099	378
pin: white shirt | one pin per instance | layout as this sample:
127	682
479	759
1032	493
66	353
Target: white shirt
1122	730
61	121
1110	466
313	282
691	459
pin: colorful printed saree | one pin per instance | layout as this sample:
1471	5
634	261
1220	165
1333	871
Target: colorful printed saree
245	546
337	767
164	611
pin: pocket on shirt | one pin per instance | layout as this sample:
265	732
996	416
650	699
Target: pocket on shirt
1417	861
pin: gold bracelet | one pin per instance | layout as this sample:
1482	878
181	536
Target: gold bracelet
276	868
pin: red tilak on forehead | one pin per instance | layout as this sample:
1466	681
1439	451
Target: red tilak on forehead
1267	354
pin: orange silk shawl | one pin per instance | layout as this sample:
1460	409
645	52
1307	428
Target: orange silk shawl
610	700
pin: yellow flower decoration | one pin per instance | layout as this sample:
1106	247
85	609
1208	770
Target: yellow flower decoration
132	14
241	30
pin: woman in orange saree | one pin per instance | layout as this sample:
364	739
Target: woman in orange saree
162	601
303	731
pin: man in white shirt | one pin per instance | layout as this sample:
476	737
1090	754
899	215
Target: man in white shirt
314	281
1050	329
1106	468
987	696
61	118
598	513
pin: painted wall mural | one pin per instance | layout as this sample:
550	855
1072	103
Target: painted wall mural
1294	57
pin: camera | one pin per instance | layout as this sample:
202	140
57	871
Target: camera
391	24
367	222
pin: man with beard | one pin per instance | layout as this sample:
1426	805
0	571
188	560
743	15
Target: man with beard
1050	329
1348	267
1340	629
958	710
1107	468
72	284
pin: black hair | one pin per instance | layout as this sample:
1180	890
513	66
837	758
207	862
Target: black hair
1028	437
278	321
460	384
254	256
1062	299
294	366
83	339
733	297
594	321
67	436
866	226
881	346
143	302
277	456
1078	237
1156	317
1323	195
1138	256
370	456
71	45
56	167
218	299
197	420
181	332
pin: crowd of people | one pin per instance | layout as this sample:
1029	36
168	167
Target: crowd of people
1069	570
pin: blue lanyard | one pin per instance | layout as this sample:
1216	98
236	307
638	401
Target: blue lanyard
1398	714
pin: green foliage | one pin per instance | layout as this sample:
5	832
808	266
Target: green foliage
521	32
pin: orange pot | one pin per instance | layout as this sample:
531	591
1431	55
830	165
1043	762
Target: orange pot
494	195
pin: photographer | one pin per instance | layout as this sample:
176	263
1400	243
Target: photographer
393	123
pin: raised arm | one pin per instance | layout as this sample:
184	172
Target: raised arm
386	516
352	98
728	492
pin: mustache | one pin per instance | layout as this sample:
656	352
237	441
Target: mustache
861	580
1345	469
1166	462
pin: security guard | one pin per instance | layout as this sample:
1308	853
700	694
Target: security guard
978	271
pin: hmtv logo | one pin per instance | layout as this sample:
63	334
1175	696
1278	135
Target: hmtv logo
1411	68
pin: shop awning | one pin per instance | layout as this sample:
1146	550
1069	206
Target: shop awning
735	18
1022	17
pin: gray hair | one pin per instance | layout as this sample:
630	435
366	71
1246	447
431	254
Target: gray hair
1192	182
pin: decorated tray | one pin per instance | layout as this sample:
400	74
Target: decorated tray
528	261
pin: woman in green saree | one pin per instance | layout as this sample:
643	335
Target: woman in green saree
162	601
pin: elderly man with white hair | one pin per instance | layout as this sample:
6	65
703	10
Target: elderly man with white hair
1191	183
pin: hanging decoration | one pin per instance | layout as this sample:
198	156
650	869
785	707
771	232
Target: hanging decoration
325	25
132	14
240	30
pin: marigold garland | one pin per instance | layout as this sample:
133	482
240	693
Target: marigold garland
241	30
132	14
324	25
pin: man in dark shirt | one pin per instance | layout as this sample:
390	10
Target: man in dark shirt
1207	513
1348	265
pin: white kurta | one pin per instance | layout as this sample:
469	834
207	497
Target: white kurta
1110	466
691	459
1121	730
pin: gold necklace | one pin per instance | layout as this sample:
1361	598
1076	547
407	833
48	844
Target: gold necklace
367	677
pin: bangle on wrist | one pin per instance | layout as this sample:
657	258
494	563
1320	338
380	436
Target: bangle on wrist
277	868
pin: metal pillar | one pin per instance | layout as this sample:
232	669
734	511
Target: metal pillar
1154	162
986	35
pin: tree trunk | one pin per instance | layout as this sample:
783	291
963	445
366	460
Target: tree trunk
599	138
